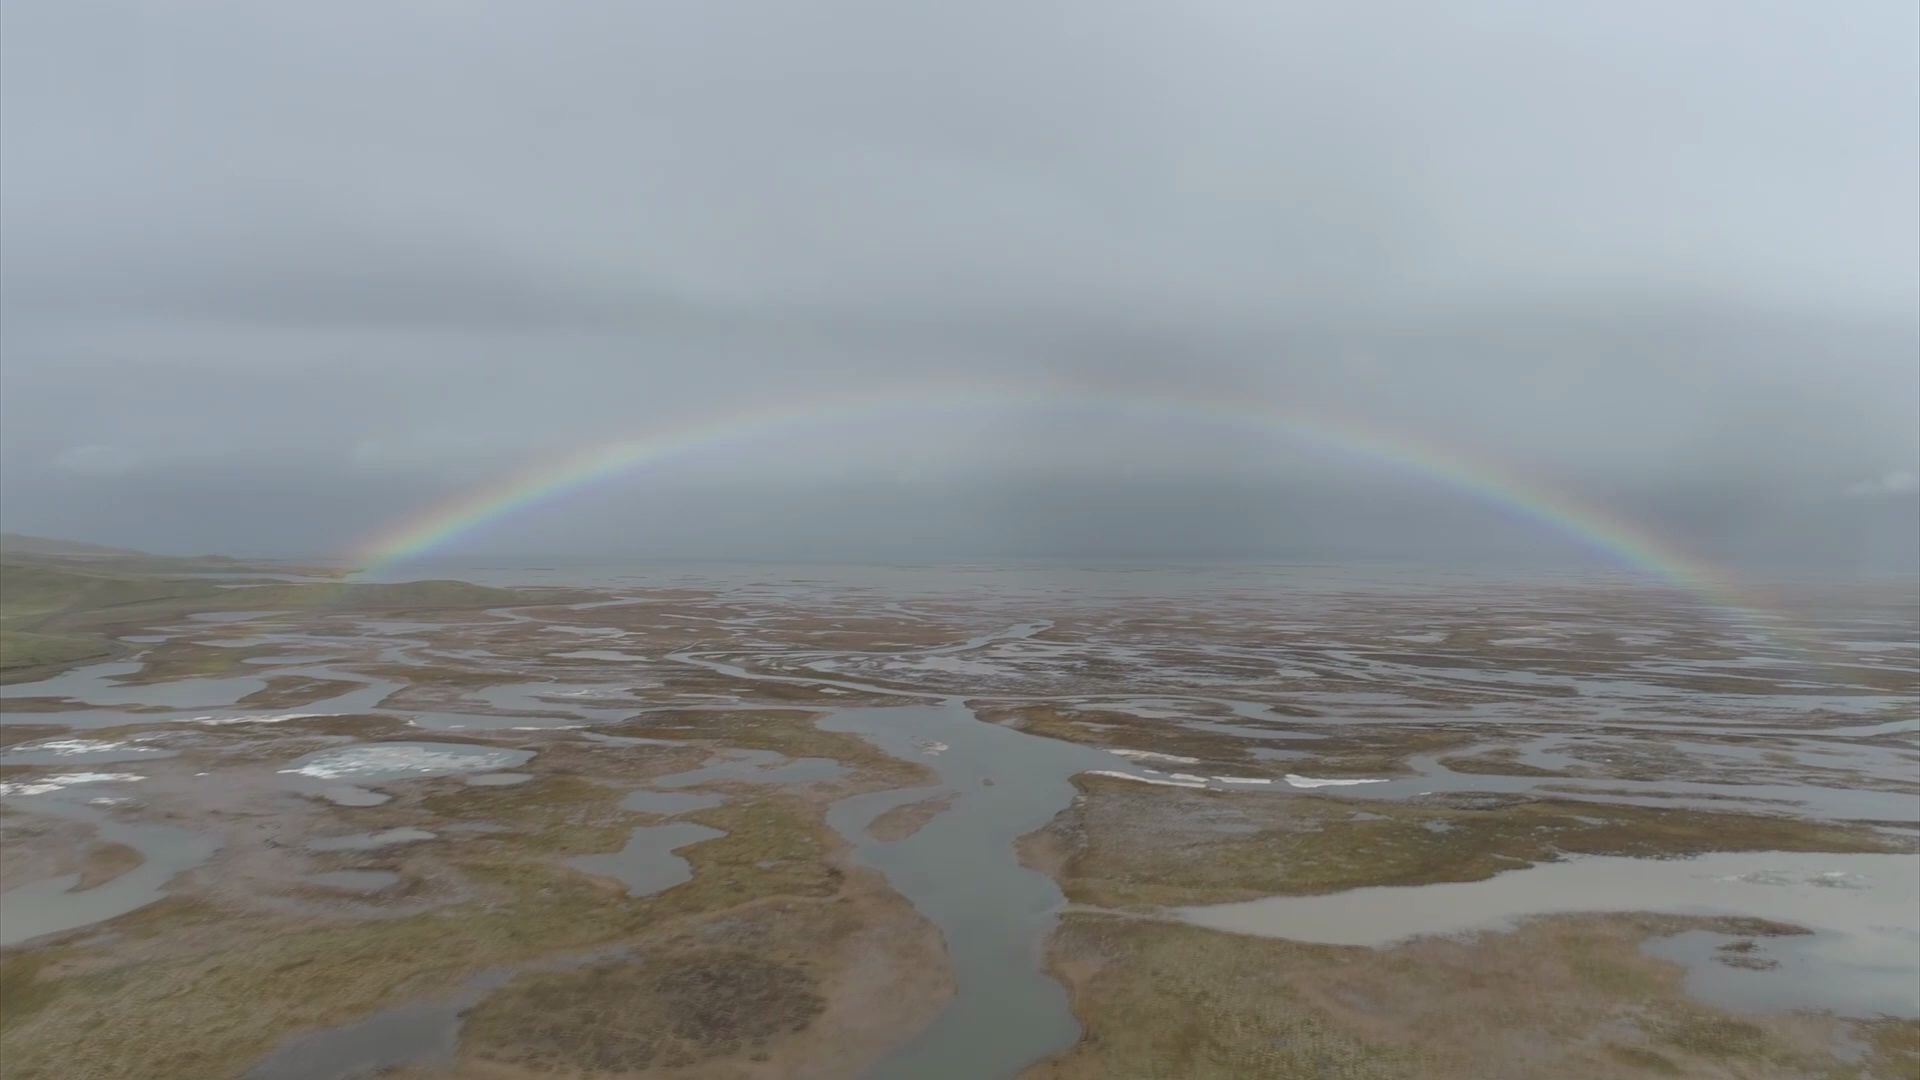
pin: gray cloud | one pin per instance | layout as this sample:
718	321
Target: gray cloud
96	459
1891	482
361	256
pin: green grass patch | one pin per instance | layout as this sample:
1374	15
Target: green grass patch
229	986
671	1009
24	652
33	589
1129	846
1188	1004
22	991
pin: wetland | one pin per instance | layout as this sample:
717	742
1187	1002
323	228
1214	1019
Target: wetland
953	825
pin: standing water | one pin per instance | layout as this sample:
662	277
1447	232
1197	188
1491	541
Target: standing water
960	870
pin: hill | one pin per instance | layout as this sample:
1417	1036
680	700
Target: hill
22	544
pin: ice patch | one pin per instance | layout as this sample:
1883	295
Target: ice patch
395	761
46	785
932	748
1831	879
1149	779
1153	755
276	718
1313	782
74	747
1242	780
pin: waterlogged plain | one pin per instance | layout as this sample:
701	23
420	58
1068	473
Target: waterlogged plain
967	825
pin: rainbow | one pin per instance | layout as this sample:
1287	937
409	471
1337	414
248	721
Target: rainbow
1521	497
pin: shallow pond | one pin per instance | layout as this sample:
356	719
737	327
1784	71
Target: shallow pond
98	684
1852	975
418	1033
669	803
370	841
755	767
1864	911
197	700
47	907
647	864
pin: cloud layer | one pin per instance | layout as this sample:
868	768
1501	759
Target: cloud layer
276	275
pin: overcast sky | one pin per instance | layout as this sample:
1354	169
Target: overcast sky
274	274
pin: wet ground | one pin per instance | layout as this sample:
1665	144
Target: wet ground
357	770
56	904
1860	957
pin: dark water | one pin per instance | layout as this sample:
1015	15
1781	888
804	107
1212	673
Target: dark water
961	872
1851	972
1861	959
423	1033
647	864
46	907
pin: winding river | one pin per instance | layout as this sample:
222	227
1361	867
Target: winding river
960	870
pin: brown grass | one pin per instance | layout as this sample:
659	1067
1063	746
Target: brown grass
1123	844
902	822
1561	997
103	863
